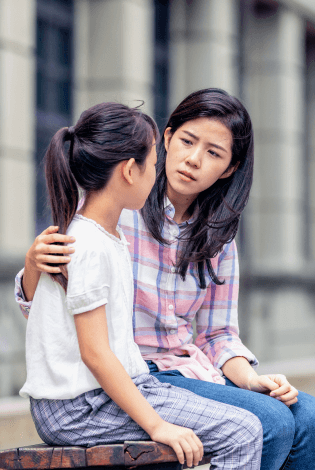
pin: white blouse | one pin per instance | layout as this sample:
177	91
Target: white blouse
100	273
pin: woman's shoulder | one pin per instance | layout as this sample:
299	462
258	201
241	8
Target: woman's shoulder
131	221
229	247
127	217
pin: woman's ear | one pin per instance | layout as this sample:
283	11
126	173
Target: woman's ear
167	137
126	170
229	171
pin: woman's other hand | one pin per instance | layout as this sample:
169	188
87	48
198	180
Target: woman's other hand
44	251
183	441
275	385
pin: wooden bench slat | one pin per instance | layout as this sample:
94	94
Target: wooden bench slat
130	454
145	452
8	459
68	457
38	457
105	455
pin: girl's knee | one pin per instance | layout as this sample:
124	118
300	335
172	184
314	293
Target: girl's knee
253	427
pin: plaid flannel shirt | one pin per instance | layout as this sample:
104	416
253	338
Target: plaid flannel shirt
165	305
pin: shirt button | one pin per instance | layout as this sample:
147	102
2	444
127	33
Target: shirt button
174	232
173	269
171	307
172	332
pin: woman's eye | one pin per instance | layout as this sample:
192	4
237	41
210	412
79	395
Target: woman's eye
213	153
186	141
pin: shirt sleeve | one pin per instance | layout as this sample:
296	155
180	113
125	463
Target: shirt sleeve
88	278
25	306
217	318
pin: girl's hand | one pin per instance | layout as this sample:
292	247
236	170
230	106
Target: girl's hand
184	442
43	251
275	385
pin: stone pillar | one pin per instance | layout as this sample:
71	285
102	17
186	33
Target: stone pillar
279	309
17	114
204	47
17	182
113	52
274	91
310	138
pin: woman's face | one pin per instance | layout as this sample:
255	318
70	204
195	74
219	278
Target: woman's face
198	154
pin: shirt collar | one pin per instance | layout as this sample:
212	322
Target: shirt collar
170	211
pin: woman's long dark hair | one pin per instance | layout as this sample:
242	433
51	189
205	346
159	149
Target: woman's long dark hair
105	135
220	206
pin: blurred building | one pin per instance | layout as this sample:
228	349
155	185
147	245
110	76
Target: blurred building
58	57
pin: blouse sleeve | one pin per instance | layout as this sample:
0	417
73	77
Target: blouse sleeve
88	279
217	319
25	306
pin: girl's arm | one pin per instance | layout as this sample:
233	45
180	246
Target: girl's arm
111	375
40	254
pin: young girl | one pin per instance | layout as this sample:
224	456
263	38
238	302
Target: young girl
182	247
86	379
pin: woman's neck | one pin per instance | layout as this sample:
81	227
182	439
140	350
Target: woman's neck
181	204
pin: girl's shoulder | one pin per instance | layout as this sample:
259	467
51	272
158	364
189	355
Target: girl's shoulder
84	229
91	240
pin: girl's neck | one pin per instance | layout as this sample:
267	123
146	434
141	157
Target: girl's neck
102	210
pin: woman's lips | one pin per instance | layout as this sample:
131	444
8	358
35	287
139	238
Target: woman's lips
186	176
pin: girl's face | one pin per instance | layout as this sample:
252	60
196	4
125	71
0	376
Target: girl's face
198	154
145	178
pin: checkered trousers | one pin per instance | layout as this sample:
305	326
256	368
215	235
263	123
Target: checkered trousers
231	435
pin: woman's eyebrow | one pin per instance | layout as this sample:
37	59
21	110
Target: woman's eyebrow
209	143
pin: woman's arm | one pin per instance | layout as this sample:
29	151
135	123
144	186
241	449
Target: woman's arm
111	375
240	372
41	253
217	318
218	334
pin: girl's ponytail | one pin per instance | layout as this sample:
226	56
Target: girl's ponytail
105	134
62	188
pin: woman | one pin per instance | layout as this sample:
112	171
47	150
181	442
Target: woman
86	379
185	267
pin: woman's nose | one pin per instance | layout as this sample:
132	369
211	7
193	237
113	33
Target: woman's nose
194	158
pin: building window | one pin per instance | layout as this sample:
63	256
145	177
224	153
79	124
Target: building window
54	54
161	68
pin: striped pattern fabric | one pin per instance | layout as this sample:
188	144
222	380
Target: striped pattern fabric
165	305
231	435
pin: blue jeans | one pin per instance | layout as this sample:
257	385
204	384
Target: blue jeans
289	433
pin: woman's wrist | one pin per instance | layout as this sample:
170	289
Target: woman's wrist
240	372
30	278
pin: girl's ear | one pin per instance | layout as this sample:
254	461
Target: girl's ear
230	171
167	137
126	170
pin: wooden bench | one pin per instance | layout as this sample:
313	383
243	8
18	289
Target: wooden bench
130	454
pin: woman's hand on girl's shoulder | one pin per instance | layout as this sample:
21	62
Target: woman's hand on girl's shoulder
183	441
44	251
